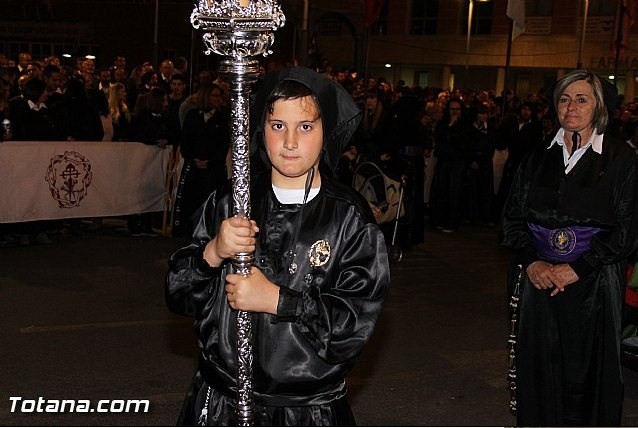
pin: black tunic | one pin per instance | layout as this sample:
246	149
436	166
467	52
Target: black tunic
568	356
325	314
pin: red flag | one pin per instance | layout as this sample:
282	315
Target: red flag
625	17
373	10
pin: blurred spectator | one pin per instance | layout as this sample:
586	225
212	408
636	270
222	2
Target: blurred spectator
521	133
101	106
452	149
53	60
119	62
120	113
104	81
88	73
81	119
149	122
148	127
204	146
17	101
166	75
24	59
53	82
34	70
175	99
181	66
5	113
480	176
33	121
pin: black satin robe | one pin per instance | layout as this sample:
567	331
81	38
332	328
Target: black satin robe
326	314
568	355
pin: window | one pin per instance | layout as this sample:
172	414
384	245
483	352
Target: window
602	8
481	18
421	78
424	16
539	8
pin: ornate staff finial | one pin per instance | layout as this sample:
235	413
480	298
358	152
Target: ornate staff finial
240	30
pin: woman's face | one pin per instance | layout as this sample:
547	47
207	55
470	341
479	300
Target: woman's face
294	138
122	94
576	106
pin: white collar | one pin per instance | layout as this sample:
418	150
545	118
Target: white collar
596	141
35	107
293	196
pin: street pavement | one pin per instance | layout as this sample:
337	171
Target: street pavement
84	318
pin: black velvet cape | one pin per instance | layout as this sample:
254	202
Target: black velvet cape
325	314
568	355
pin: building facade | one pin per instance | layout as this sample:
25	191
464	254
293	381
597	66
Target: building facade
422	42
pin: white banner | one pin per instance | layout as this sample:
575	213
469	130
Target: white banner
45	180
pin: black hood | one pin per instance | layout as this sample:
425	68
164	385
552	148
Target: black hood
339	114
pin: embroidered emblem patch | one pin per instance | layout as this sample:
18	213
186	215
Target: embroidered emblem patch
69	176
319	253
562	241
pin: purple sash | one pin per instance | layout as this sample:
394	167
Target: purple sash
562	245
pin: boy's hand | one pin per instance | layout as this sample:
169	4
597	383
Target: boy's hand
236	235
253	293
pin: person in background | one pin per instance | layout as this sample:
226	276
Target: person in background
453	152
571	220
480	174
166	71
176	97
82	121
120	113
205	141
33	122
148	127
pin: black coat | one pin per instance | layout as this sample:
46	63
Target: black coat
41	125
326	311
568	347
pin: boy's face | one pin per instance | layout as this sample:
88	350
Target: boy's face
294	138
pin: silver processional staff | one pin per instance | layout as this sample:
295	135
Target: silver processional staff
240	30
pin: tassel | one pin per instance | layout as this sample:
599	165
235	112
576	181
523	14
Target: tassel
511	372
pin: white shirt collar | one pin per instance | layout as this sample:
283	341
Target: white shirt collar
596	141
571	159
34	106
294	196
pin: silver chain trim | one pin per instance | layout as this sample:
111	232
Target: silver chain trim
511	372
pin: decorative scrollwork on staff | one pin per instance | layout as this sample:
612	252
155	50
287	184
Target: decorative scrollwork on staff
239	30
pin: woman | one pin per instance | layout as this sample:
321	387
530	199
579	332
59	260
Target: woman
205	141
320	273
570	219
119	112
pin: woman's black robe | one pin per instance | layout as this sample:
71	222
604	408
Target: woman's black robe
568	355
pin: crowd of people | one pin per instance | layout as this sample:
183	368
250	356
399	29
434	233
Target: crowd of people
457	149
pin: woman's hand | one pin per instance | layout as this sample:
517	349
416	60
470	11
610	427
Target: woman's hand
539	275
254	293
236	235
562	275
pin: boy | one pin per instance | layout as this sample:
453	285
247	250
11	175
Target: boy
320	272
